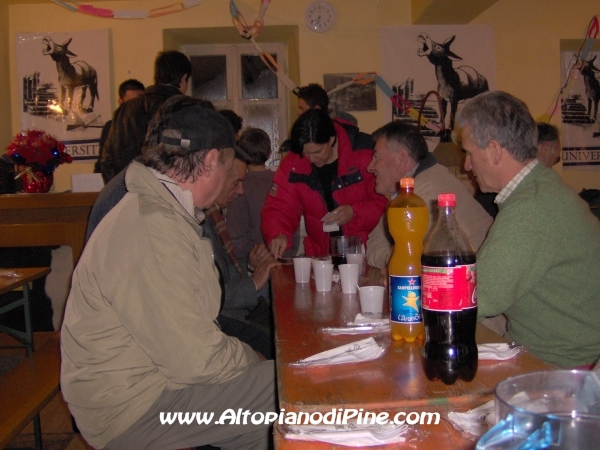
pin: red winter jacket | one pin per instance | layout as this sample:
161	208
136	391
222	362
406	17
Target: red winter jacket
297	191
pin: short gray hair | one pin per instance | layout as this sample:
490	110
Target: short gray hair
502	117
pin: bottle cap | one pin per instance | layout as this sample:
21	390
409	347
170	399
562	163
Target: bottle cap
446	199
407	182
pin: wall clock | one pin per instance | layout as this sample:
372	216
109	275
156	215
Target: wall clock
319	16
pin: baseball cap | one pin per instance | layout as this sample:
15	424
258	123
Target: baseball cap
201	129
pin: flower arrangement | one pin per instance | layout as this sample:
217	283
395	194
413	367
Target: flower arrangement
36	155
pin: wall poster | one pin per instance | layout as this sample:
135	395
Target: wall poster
456	60
64	87
580	128
356	97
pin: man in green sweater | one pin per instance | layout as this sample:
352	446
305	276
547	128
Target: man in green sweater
540	263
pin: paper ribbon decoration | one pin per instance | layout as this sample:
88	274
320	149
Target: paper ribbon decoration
591	35
365	78
250	33
74	6
246	31
274	67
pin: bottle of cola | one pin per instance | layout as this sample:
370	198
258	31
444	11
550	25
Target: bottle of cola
449	303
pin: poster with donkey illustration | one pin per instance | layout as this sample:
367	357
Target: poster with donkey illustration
457	61
579	112
64	87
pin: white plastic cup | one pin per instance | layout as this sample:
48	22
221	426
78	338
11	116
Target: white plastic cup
371	299
302	270
348	278
319	262
323	276
356	258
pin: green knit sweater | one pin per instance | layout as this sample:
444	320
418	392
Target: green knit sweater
540	266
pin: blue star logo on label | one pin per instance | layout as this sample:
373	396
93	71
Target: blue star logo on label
405	299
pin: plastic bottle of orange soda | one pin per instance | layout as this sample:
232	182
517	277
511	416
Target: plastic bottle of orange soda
408	222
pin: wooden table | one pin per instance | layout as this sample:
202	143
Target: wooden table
36	220
8	284
393	383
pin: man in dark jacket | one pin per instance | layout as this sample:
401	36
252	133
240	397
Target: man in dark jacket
172	71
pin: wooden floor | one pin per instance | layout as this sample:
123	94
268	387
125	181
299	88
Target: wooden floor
55	418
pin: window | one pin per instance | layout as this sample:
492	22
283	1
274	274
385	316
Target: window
233	76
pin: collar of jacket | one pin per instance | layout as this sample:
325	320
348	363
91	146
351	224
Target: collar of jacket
165	89
426	163
140	180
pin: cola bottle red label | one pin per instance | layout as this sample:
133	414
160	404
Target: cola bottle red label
449	288
450	316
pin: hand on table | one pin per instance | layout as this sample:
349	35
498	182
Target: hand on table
278	245
258	254
260	276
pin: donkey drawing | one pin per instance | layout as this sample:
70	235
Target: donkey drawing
592	86
72	75
454	85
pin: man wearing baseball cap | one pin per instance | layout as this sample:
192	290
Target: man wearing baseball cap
139	339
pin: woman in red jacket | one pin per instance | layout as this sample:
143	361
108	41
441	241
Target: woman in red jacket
326	172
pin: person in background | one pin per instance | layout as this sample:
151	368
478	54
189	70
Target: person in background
314	96
325	180
240	289
548	146
548	153
172	72
235	121
244	212
128	89
401	151
539	265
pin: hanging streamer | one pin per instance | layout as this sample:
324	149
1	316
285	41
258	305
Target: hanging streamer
124	13
274	67
240	23
363	78
250	33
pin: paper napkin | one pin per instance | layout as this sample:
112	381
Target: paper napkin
361	324
475	421
351	434
497	351
363	350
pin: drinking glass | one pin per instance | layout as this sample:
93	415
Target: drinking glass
342	246
552	410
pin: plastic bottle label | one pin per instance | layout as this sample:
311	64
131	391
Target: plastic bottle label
405	299
449	288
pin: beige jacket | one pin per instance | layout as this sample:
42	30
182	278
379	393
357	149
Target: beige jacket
470	215
140	316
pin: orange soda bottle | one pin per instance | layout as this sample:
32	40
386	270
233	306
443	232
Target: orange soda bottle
408	222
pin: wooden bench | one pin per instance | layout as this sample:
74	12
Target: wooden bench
27	388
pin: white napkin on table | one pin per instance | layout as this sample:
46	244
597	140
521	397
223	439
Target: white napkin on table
351	434
370	319
474	421
497	351
363	350
362	324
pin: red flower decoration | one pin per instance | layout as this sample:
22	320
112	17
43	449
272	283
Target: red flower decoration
38	149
